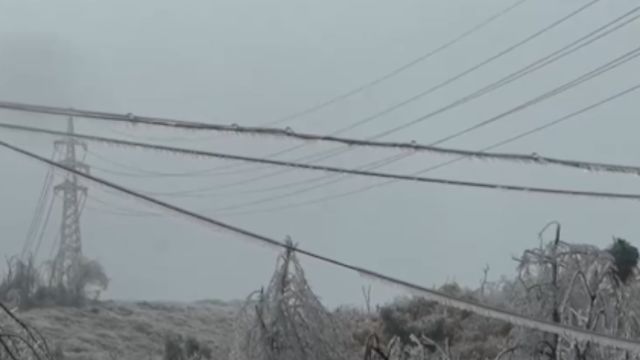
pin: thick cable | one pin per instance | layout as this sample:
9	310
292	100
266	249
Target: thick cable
434	295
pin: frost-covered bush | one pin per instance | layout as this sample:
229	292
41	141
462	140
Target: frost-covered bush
424	326
286	321
581	286
26	286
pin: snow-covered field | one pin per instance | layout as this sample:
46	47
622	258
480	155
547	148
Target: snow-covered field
134	330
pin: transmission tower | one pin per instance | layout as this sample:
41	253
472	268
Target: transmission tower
67	260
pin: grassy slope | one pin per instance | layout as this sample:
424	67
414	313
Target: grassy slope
134	330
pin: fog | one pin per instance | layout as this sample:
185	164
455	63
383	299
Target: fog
252	62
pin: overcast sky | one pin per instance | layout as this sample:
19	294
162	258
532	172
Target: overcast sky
251	62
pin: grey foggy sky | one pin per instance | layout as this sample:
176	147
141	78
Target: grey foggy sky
249	62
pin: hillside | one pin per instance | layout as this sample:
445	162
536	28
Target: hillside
134	330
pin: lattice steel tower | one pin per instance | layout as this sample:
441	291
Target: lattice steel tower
69	253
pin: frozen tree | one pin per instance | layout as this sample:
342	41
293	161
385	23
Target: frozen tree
423	329
581	286
18	340
287	321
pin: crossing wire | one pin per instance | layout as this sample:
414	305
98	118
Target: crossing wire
350	141
36	222
399	70
433	295
496	145
540	63
534	66
618	61
131	118
439	86
505	80
338	170
45	225
502	156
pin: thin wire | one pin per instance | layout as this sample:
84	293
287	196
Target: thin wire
332	153
339	170
514	157
121	209
121	212
573	83
440	297
367	167
237	183
394	72
44	227
413	146
377	81
115	209
494	186
137	172
534	66
512	139
37	218
131	118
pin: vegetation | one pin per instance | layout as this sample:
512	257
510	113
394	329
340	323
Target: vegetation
18	340
177	347
287	321
576	285
571	284
26	286
625	258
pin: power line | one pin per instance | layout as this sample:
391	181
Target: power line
561	53
235	128
398	70
192	125
339	170
434	295
513	157
413	146
124	213
44	227
313	137
474	67
419	95
134	171
540	63
36	221
618	61
446	163
554	92
544	61
502	82
117	210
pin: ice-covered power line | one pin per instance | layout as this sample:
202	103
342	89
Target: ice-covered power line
510	157
347	141
309	136
602	69
355	142
589	38
536	65
493	146
192	125
568	49
339	170
433	295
